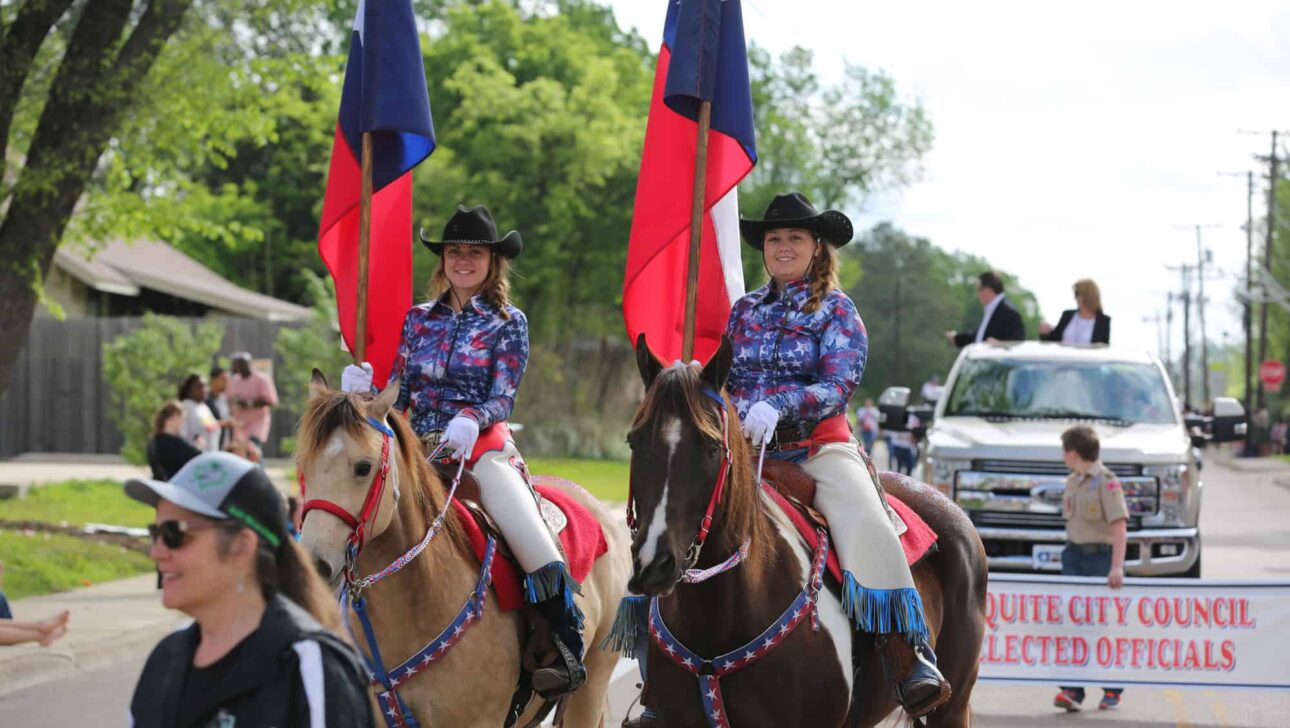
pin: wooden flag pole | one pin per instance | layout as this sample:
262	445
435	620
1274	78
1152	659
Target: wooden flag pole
696	231
364	237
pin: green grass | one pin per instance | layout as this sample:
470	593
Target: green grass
48	562
606	479
77	502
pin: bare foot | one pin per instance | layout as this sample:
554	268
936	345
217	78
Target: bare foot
53	627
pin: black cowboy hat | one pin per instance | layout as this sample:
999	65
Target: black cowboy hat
475	226
793	210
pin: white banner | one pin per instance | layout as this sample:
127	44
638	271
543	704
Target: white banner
1077	631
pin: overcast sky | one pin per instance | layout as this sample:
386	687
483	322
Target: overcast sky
1071	138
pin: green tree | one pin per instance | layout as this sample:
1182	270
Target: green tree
316	345
69	74
144	368
909	293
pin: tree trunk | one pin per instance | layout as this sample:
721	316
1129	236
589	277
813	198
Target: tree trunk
94	86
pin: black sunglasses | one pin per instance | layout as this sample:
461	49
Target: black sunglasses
174	533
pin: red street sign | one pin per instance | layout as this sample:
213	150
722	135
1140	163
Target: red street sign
1272	374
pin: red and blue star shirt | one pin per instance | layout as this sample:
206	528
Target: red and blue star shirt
467	363
805	365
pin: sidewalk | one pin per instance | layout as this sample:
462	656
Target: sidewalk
32	470
109	622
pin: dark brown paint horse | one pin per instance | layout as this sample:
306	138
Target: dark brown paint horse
830	677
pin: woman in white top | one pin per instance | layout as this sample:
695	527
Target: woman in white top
201	429
1085	324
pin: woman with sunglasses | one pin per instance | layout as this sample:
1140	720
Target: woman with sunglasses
460	361
261	650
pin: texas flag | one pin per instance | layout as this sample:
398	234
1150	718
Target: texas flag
384	93
703	58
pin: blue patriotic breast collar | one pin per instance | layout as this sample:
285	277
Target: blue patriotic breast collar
710	672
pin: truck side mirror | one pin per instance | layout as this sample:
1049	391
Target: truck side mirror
893	408
1228	423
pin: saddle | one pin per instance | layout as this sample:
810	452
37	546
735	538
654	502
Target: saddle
793	489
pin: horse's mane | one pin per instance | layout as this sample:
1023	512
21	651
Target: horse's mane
332	412
679	391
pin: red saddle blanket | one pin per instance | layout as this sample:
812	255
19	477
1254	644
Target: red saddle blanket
916	541
582	539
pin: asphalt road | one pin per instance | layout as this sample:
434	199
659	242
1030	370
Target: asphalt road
1246	522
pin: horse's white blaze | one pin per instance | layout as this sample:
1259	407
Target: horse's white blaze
334	446
833	619
658	519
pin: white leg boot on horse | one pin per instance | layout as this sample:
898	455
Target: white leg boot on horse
878	592
512	504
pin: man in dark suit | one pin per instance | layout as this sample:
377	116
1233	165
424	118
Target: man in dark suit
1000	322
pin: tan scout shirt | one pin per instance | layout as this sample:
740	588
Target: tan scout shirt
1091	503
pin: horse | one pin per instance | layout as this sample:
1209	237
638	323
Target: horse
345	445
781	673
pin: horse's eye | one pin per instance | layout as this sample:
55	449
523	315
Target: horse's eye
362	468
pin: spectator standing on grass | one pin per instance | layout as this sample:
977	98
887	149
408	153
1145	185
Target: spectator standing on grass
201	428
168	450
867	423
251	395
1096	530
262	649
217	401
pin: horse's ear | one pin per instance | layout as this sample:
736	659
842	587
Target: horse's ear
380	407
318	385
717	370
646	364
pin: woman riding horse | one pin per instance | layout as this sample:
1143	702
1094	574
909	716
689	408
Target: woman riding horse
460	360
799	353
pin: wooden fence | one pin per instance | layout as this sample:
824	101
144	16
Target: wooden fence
58	401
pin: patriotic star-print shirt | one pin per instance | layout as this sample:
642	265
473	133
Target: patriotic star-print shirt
805	365
467	363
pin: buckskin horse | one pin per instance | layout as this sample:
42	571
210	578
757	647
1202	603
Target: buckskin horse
426	601
761	643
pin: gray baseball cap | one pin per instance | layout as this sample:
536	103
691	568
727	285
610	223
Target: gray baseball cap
221	485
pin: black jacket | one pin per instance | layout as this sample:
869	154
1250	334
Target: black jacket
167	454
268	688
1101	327
1005	325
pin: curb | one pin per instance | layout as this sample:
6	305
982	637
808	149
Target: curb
30	666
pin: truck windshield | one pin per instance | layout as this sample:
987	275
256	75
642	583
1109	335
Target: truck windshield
1016	389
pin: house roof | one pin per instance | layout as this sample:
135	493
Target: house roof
125	268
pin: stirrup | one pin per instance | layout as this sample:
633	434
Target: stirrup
564	677
916	706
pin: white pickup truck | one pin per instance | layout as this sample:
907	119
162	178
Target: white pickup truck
994	446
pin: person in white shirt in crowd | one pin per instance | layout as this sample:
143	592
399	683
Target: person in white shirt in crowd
933	389
1084	324
867	423
201	429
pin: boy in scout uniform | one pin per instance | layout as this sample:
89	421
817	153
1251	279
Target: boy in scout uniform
1096	523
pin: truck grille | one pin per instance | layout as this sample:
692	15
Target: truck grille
1035	467
997	519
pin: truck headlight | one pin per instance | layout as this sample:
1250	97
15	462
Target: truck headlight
1175	490
943	471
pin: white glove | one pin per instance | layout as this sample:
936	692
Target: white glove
357	379
759	423
460	436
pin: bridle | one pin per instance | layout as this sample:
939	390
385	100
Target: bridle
723	473
358	525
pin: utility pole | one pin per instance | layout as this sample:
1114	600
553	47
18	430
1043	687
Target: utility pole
1273	161
1185	297
1169	336
1247	307
1202	258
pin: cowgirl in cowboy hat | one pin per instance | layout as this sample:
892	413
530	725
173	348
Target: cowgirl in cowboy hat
460	361
799	352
